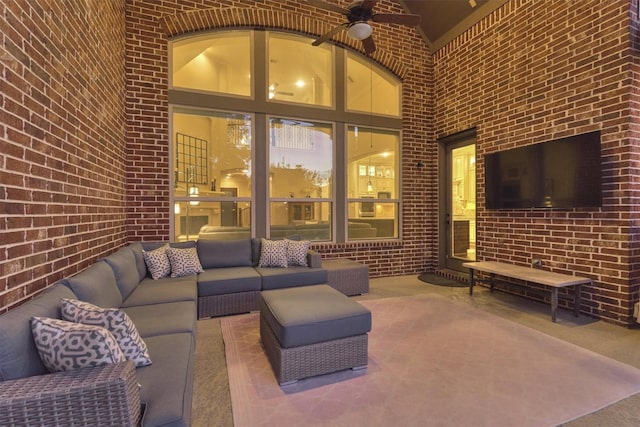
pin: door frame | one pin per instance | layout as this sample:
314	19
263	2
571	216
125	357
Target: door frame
445	146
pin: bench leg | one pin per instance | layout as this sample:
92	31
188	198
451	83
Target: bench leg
471	283
493	281
576	301
554	303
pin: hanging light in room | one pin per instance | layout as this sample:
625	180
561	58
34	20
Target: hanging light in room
359	30
194	192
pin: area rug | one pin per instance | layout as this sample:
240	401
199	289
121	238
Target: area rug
432	362
435	279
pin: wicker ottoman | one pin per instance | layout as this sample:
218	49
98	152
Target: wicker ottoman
347	276
312	330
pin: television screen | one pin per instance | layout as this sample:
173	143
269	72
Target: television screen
563	173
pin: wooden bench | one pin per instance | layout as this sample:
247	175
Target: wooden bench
550	279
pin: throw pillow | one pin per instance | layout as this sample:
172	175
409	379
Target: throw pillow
157	262
273	253
184	262
297	252
115	321
64	346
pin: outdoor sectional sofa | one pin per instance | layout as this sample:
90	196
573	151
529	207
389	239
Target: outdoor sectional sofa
164	312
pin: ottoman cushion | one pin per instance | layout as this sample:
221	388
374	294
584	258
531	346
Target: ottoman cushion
312	314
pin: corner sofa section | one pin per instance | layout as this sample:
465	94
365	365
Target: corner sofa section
159	394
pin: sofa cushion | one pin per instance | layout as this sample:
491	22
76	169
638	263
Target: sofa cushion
115	321
220	281
151	291
123	263
297	252
136	248
161	319
184	262
167	384
97	285
225	253
276	278
19	356
157	262
149	246
273	253
64	346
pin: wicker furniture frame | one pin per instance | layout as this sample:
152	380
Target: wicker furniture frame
106	395
347	276
220	305
292	364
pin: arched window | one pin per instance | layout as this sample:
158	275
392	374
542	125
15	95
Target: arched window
273	137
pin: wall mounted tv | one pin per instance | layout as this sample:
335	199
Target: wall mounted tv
560	174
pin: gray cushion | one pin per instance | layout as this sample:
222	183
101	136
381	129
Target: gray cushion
151	291
312	314
149	246
19	357
220	281
277	278
136	248
123	264
167	384
160	319
224	253
97	285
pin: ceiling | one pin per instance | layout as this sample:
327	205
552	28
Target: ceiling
443	20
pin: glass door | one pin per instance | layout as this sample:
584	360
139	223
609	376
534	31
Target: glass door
460	205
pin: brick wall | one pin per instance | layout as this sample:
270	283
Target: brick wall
149	26
540	70
62	157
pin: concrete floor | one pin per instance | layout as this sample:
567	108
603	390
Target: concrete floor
212	403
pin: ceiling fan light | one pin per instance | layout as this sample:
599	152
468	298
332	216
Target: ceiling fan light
359	30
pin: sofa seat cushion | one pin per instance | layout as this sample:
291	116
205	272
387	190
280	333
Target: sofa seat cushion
229	280
167	384
19	356
161	319
277	278
165	290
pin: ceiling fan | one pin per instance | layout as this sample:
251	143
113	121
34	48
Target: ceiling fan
358	14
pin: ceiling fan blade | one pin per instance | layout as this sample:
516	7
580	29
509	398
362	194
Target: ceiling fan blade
406	19
329	6
368	4
330	34
369	45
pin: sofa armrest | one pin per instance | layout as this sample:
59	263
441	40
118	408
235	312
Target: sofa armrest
81	397
314	260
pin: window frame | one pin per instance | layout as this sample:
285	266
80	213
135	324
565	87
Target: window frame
260	109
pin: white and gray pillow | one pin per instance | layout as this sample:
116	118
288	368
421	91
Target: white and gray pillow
115	321
64	346
158	262
297	252
184	261
273	253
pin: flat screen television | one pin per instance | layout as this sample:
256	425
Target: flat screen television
560	174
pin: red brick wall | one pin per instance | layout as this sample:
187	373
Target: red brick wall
539	70
150	24
62	157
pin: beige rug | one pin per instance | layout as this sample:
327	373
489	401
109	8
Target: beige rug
432	362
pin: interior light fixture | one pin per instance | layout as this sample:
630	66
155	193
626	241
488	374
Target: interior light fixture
194	192
359	30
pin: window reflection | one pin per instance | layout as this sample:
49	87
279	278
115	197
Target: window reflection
299	72
219	62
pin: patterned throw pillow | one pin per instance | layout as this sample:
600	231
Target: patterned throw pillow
297	252
184	261
273	253
64	346
157	262
115	321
